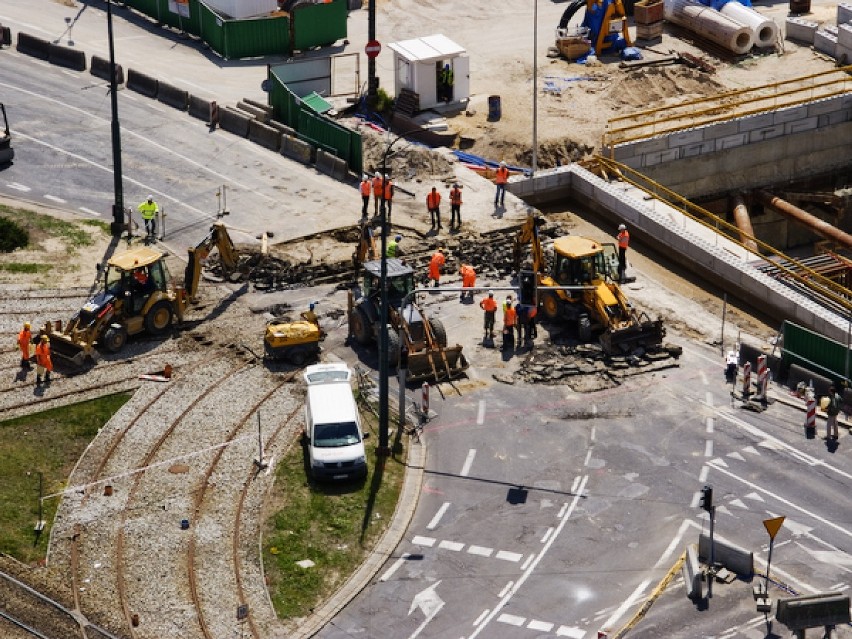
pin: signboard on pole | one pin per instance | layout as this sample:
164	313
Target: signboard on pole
373	48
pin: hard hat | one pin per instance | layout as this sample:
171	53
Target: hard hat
378	174
45	338
502	163
150	198
622	227
442	250
455	184
398	238
366	177
26	325
490	293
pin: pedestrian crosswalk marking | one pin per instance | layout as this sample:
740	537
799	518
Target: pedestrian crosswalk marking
738	503
751	450
736	455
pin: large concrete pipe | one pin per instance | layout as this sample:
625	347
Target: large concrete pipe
823	229
765	30
711	24
743	222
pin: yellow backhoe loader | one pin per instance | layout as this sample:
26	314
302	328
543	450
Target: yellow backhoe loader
585	272
137	295
429	357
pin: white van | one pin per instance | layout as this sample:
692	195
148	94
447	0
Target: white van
333	424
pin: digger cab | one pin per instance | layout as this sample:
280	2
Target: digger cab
580	261
400	280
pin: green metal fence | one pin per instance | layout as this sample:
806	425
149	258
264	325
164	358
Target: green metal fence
319	25
815	352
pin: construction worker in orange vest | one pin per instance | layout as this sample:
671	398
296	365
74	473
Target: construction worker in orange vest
468	274
366	187
501	180
377	191
387	197
25	338
623	242
433	203
510	319
489	305
44	365
455	205
436	266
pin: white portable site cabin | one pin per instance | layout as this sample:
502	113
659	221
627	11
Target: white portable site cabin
418	65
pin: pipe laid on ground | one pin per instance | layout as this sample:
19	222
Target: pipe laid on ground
765	30
710	24
743	222
821	228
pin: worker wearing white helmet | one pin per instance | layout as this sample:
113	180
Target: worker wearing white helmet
500	180
377	191
365	189
149	211
623	242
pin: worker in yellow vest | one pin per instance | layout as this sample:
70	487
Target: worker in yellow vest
149	211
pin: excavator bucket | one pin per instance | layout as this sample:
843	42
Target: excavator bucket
437	364
66	349
642	333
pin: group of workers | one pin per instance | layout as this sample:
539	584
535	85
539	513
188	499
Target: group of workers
44	364
517	318
382	189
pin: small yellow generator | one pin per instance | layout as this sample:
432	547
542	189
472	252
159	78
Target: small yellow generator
293	342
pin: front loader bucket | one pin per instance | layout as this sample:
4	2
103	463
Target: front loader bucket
65	349
437	364
647	334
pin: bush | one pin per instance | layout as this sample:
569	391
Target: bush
12	236
384	102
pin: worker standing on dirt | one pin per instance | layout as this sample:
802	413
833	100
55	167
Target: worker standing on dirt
43	362
393	247
501	180
433	203
468	275
436	266
377	191
366	187
387	197
489	305
25	338
455	205
623	242
510	319
149	211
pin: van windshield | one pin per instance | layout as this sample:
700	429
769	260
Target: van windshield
334	435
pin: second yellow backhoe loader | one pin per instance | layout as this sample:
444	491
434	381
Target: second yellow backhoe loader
136	295
584	275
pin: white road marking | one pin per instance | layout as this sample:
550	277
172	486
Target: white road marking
18	187
751	450
90	211
708	448
588	458
505	555
541	626
512	620
394	567
570	631
547	534
455	546
574	487
703	377
480	415
702	476
482	551
423	541
696	497
437	518
535	559
708	398
53	198
754	496
719	461
501	593
738	503
710	425
591	439
735	455
482	616
468	462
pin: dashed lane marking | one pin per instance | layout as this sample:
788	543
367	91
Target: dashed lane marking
18	187
512	620
90	211
437	518
468	462
394	567
53	198
455	546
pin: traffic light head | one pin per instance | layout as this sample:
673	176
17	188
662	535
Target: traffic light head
707	498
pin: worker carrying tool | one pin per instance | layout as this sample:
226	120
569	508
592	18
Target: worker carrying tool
25	338
149	211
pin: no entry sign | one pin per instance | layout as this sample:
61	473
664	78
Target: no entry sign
372	49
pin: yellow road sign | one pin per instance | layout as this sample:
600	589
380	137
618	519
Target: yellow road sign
773	525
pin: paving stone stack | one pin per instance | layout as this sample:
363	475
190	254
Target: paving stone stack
833	40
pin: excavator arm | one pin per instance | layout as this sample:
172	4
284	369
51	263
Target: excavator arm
529	235
218	238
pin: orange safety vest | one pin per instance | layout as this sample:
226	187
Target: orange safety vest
25	338
388	190
455	197
43	356
433	199
623	239
365	188
510	316
468	276
377	187
502	175
435	265
489	304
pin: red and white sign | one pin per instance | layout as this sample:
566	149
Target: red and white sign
373	48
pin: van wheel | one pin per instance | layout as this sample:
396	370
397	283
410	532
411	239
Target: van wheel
115	339
159	318
359	325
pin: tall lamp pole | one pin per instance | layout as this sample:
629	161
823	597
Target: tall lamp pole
535	89
118	206
372	80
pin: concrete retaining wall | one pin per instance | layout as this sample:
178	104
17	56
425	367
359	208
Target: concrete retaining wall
732	557
33	46
142	83
234	121
172	95
100	69
331	165
265	136
68	58
298	150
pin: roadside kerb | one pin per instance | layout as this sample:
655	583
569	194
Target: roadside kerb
234	121
384	549
141	83
172	95
99	67
265	136
729	555
33	46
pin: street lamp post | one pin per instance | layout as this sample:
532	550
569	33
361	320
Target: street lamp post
118	205
535	90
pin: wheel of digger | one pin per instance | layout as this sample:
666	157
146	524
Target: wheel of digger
359	326
115	338
393	347
550	306
159	318
439	332
584	329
